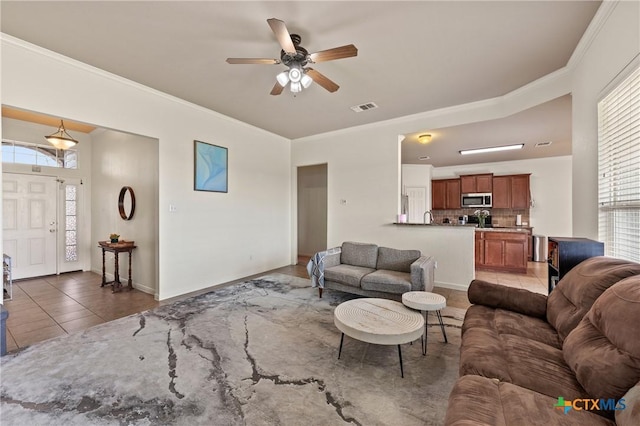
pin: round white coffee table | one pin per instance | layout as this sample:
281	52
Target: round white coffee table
425	301
378	321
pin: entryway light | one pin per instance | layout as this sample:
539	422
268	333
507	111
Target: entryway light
491	149
424	138
61	139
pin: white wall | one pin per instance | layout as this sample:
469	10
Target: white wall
551	189
615	46
121	159
212	238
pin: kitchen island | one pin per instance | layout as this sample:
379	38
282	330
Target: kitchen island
502	249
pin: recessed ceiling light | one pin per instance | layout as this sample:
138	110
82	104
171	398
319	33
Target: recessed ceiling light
542	144
426	157
491	149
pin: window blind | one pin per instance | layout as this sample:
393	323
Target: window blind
619	169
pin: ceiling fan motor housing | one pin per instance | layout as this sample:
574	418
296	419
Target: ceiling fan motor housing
299	57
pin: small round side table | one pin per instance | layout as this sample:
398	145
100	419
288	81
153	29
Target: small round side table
426	301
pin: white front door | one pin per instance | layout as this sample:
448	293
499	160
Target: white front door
29	223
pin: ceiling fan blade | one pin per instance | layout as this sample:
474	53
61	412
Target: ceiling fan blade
282	34
341	52
266	61
277	89
322	80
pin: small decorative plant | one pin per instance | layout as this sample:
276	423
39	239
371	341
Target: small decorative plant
114	238
482	216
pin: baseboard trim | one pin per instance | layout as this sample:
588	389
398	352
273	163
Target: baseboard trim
453	286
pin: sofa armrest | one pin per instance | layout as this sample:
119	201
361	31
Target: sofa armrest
331	259
514	299
422	273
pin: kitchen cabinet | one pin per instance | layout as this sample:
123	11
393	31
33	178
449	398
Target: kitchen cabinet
501	250
476	184
445	194
511	192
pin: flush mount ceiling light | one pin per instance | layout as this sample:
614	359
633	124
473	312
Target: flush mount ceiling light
426	138
61	139
491	149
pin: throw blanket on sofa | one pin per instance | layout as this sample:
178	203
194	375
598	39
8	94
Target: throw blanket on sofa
315	267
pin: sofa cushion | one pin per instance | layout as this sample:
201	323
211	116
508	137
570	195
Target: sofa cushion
503	321
396	260
359	254
478	401
631	413
387	281
604	349
346	274
518	360
581	286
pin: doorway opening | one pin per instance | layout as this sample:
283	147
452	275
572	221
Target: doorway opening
312	211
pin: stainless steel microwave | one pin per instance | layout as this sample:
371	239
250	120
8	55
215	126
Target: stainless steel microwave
476	200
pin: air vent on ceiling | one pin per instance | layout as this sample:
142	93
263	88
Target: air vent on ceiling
364	107
541	144
426	157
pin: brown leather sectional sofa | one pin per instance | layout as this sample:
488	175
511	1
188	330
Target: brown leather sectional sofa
570	358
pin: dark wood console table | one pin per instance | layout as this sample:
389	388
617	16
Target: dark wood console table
116	249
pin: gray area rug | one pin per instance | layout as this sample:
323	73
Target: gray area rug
263	352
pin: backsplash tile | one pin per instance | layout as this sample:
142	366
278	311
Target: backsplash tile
501	217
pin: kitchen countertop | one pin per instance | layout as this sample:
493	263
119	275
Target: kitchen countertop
470	225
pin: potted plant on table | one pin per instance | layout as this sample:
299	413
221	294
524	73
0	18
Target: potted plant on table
114	238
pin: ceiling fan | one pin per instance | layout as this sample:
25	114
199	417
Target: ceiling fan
296	57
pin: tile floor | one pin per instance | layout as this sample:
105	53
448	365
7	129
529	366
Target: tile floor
51	306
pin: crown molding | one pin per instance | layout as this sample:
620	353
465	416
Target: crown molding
593	29
7	39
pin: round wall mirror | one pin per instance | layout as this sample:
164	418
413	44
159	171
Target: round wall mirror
127	203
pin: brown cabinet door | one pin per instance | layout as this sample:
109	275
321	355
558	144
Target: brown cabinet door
471	184
484	183
468	184
479	249
501	192
515	254
520	192
438	195
493	252
453	194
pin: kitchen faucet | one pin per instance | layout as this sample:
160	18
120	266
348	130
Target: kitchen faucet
424	217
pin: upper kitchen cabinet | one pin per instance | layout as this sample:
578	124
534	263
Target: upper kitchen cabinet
445	194
474	184
511	192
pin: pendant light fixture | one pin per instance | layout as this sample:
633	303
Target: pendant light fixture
61	139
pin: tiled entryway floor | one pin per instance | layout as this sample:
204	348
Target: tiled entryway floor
54	305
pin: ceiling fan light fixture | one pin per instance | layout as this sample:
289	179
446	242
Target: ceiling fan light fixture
296	87
295	75
426	138
306	81
283	78
61	139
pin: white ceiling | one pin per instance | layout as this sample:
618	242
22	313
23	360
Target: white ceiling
413	57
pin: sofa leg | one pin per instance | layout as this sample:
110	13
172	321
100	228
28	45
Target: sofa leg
320	292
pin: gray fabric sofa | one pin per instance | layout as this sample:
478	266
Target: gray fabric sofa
372	271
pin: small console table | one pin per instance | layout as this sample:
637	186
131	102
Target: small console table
116	249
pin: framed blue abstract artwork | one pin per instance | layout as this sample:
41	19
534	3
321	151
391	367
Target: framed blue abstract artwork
210	167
